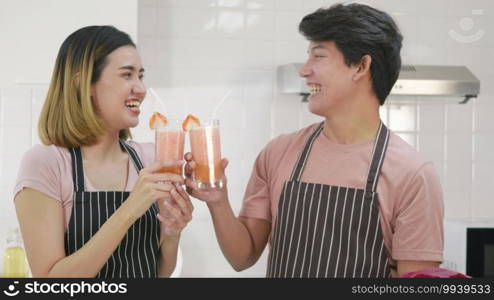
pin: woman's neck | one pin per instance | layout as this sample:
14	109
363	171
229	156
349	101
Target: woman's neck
107	148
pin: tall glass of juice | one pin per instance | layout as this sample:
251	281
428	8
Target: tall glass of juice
205	148
169	145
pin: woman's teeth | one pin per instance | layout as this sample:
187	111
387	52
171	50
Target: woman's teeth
133	104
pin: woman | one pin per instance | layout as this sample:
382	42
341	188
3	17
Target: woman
86	203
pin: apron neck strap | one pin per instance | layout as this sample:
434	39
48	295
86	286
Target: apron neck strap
78	168
378	153
133	155
302	158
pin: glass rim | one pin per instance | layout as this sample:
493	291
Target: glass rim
173	125
208	123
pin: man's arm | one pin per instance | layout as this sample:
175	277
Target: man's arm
418	233
242	240
406	266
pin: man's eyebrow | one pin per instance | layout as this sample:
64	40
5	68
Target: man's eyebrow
131	68
316	47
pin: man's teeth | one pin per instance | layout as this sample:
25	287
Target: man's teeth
314	89
133	104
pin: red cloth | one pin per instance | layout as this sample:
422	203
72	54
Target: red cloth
434	273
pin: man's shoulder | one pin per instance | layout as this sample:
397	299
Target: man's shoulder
401	155
287	140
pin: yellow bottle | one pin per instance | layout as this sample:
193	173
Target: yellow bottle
14	257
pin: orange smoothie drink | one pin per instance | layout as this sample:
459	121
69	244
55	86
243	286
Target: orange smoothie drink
169	145
205	148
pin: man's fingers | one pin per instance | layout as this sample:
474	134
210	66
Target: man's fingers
224	163
190	184
189	168
188	156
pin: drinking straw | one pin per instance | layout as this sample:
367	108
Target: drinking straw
159	100
217	107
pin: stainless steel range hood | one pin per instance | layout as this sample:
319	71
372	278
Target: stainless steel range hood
416	80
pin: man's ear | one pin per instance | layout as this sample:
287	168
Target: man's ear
363	68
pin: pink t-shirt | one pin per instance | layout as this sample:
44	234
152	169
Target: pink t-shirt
48	169
410	195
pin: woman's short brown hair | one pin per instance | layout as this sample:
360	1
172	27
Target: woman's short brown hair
68	117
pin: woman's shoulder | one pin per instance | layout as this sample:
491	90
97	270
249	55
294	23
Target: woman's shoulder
45	168
46	154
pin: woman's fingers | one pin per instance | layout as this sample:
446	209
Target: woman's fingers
186	197
165	186
165	177
175	215
185	210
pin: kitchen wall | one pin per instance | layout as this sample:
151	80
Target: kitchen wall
196	51
32	31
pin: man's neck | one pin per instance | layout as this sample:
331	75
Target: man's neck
357	122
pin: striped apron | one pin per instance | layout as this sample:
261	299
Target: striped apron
329	231
138	252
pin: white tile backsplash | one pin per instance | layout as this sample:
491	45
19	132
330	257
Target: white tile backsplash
432	118
231	3
261	4
15	139
260	25
186	22
15	106
483	190
231	23
195	51
457	202
186	3
460	118
459	147
402	117
484	113
287	26
484	147
431	145
257	55
283	5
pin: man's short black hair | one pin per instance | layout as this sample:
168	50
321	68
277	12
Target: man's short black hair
357	30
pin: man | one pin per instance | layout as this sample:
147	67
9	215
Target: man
346	197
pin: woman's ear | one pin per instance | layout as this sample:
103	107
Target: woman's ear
363	68
76	80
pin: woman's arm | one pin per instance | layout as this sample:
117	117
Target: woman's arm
41	219
168	257
175	213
